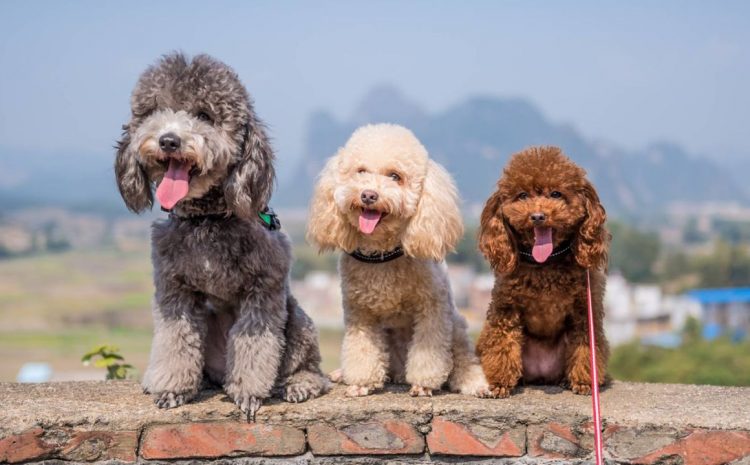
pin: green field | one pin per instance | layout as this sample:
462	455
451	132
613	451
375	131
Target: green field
55	307
101	287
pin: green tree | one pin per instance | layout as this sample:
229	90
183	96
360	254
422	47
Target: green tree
467	251
696	361
691	234
729	265
734	232
307	259
632	252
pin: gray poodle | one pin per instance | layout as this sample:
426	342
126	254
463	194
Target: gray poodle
222	305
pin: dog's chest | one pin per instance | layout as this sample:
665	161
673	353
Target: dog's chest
389	291
547	299
218	260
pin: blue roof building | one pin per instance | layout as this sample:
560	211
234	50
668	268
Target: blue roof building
725	312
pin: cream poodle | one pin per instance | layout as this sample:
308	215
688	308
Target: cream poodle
394	212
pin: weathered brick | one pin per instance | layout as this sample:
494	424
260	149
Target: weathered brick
24	447
220	439
703	448
630	443
68	444
375	438
452	438
101	445
554	441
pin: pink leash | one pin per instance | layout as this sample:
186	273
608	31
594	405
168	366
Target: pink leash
594	376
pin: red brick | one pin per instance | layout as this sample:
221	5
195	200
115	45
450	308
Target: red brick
452	438
704	448
553	441
69	444
24	447
220	439
373	438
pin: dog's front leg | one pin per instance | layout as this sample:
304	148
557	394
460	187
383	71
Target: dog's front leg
175	368
254	350
578	354
429	360
364	358
500	348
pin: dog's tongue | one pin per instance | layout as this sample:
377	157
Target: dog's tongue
542	244
175	184
368	219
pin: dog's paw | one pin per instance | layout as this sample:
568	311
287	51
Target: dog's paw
296	393
482	393
301	391
336	376
477	387
249	406
355	390
581	389
500	392
419	391
169	399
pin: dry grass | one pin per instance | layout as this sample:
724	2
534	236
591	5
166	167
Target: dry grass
102	287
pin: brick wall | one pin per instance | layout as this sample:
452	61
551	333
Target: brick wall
114	421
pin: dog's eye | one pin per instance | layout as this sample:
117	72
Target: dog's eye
523	196
361	171
555	194
203	116
395	177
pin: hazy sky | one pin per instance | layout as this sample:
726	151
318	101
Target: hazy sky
629	72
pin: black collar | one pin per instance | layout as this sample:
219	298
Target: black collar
378	257
267	217
561	251
214	216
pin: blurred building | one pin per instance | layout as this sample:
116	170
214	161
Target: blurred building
319	294
725	312
644	312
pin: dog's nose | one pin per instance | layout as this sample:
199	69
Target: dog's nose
538	217
169	142
369	197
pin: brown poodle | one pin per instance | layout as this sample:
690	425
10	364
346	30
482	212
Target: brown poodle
540	231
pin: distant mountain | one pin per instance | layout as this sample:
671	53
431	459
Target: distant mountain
83	181
474	139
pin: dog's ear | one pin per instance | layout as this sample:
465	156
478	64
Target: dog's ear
248	187
132	180
327	227
592	241
436	226
495	238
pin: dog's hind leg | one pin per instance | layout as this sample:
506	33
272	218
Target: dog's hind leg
300	377
398	344
175	369
467	376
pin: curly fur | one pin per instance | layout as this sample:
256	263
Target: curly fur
536	327
222	306
401	322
